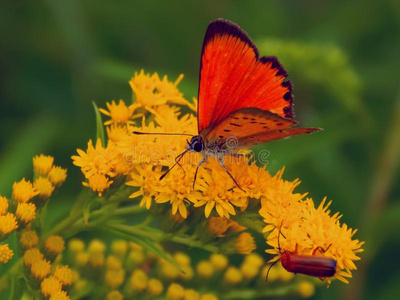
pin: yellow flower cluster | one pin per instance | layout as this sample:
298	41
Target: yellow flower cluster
125	150
27	197
43	267
300	225
130	272
142	159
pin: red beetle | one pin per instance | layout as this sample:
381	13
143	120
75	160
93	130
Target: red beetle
310	265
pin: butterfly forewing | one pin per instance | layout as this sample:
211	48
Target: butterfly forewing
232	77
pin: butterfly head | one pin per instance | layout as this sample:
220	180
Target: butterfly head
196	144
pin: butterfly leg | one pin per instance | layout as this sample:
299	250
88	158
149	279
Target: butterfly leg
230	175
237	154
203	160
177	159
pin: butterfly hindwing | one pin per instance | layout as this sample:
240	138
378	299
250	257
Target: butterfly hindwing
262	138
247	122
233	77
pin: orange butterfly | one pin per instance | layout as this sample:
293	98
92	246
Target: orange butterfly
243	100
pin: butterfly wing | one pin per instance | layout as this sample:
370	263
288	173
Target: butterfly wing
246	122
273	135
232	77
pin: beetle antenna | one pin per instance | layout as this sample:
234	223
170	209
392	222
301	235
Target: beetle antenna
269	269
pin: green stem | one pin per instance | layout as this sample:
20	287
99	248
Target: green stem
159	236
128	210
240	294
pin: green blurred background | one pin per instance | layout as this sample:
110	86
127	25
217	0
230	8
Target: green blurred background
343	56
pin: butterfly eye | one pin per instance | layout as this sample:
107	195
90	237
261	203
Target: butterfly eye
197	146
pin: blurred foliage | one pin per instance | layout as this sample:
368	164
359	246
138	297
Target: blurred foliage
343	56
320	65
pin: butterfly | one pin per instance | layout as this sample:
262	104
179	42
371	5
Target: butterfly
243	99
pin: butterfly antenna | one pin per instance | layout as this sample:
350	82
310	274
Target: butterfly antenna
177	159
160	133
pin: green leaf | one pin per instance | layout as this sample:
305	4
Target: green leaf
145	242
99	126
86	211
17	288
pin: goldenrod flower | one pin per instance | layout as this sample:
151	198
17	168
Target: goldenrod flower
82	258
96	160
205	269
5	253
208	297
177	190
23	191
64	274
29	239
233	276
96	259
31	256
119	247
155	287
310	228
3	205
8	223
218	226
182	259
146	179
306	289
134	246
150	91
76	245
120	114
138	281
187	272
191	295
249	271
50	285
219	261
98	183
40	268
168	271
235	226
218	189
284	275
113	263
114	278
60	295
135	258
57	175
54	245
42	164
170	119
175	292
254	259
244	243
25	212
44	187
273	272
97	164
96	246
114	295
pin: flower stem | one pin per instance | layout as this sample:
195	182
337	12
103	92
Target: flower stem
159	236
